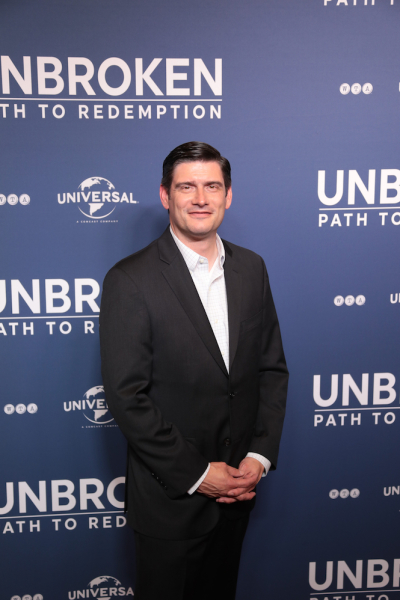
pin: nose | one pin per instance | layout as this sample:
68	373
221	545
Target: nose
200	197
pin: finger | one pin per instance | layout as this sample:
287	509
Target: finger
247	496
251	476
249	473
238	492
225	500
241	490
243	497
233	472
244	467
243	471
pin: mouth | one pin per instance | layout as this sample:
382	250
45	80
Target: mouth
199	213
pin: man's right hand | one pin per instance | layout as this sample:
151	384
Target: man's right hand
222	479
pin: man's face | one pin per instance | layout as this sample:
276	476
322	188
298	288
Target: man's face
197	199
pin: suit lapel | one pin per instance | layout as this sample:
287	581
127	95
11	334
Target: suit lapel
178	277
233	282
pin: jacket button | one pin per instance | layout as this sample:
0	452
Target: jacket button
231	395
227	442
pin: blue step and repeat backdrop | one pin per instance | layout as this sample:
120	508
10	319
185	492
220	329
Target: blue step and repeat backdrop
303	98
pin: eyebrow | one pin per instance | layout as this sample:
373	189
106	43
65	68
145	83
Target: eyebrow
194	183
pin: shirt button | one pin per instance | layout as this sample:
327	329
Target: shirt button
227	442
231	395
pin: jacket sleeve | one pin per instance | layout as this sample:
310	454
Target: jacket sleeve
273	381
126	356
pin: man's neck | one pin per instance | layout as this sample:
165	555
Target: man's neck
206	247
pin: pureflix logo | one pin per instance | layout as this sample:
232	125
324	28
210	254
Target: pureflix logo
96	199
351	199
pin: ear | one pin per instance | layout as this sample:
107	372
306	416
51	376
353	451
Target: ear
164	197
228	198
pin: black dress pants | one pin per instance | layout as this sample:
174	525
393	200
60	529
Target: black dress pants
204	568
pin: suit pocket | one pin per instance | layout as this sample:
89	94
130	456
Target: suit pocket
251	322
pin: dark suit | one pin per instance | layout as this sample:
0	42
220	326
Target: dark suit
168	388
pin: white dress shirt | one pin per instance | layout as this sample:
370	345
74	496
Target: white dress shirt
210	285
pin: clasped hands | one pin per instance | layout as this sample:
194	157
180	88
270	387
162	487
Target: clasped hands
228	484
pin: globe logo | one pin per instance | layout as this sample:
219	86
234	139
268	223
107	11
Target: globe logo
96	193
96	199
95	407
104	587
104	581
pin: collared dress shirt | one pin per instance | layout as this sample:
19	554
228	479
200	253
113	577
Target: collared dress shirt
210	285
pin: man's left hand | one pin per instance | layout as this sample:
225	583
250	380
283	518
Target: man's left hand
251	470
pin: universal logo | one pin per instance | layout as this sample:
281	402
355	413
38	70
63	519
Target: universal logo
349	300
93	405
20	409
13	199
97	198
356	88
354	493
104	586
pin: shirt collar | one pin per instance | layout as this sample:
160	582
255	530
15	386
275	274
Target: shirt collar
191	257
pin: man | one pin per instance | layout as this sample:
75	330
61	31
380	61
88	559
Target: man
195	376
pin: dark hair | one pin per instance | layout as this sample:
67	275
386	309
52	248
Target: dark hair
191	152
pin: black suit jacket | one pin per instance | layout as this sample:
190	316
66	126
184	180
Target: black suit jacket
168	389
